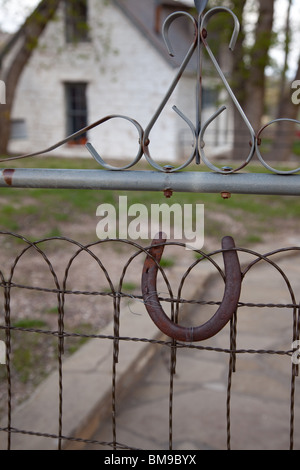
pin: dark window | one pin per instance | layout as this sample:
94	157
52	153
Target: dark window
209	97
77	29
18	129
76	110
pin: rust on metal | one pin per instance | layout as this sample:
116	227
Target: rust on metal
226	195
168	193
204	33
8	176
233	280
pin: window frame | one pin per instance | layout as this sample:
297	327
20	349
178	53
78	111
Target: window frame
76	110
76	21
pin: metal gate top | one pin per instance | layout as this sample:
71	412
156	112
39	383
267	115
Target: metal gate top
198	182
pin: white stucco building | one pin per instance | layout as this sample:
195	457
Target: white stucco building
119	66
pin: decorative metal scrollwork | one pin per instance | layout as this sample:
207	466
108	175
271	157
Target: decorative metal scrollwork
199	129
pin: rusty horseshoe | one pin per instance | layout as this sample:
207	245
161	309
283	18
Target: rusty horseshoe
233	280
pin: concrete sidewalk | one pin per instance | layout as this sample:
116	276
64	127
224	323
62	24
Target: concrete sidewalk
260	404
260	397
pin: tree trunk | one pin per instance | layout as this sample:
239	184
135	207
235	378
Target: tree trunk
284	138
27	39
259	59
287	43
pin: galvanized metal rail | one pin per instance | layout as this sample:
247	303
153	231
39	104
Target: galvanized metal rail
197	182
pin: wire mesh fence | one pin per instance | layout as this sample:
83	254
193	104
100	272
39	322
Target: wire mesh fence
60	284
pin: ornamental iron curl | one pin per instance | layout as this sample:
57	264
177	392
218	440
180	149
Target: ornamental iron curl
198	130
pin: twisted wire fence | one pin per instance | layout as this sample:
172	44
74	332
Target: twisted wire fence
115	292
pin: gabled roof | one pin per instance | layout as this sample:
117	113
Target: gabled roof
148	16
